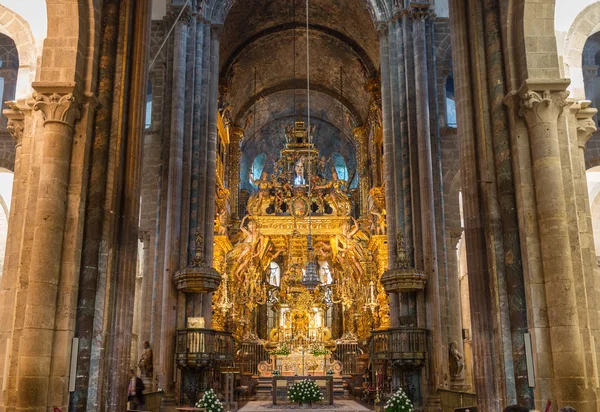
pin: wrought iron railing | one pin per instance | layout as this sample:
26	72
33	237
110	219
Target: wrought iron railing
250	355
399	344
198	347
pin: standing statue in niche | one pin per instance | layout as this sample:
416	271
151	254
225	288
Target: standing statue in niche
299	178
145	363
456	361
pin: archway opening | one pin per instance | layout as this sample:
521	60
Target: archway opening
6	183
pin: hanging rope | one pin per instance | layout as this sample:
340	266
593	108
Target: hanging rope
168	34
310	136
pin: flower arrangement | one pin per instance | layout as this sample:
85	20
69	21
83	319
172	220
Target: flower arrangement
306	391
276	372
283	351
399	402
210	402
330	372
317	351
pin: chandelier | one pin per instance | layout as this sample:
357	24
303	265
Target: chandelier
310	277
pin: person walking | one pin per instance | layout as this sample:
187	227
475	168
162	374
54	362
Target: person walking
135	392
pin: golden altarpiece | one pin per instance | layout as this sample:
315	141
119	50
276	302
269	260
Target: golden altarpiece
301	219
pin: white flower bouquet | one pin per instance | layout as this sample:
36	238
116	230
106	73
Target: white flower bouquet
306	391
210	402
399	402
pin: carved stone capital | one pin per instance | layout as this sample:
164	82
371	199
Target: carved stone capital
590	72
16	122
542	102
58	103
382	29
586	126
186	17
419	11
215	31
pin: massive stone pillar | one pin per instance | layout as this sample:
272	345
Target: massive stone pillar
94	214
429	235
174	204
486	380
59	107
541	106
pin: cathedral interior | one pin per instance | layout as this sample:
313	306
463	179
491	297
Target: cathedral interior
236	194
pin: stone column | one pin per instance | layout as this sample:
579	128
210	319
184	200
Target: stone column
198	161
541	106
388	162
211	163
173	214
94	211
486	379
236	135
59	108
432	291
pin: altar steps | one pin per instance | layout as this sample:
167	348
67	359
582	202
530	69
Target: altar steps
264	388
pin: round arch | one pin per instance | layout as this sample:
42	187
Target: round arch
530	33
17	28
217	10
584	26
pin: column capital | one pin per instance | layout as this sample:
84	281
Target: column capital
590	71
16	122
186	17
58	102
383	28
215	31
586	126
542	101
420	11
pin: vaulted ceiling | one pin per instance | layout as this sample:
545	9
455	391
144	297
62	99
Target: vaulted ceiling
266	74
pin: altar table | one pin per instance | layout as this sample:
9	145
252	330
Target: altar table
282	383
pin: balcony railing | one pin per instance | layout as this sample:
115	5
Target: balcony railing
406	347
198	348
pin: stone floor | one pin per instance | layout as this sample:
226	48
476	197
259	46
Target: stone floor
340	405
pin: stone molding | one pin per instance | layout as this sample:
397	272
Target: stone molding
543	101
58	102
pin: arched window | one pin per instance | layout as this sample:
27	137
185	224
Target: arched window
450	103
340	166
258	165
6	182
9	66
149	106
275	274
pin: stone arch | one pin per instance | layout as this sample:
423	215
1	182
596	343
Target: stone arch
584	25
217	10
531	42
69	48
17	28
